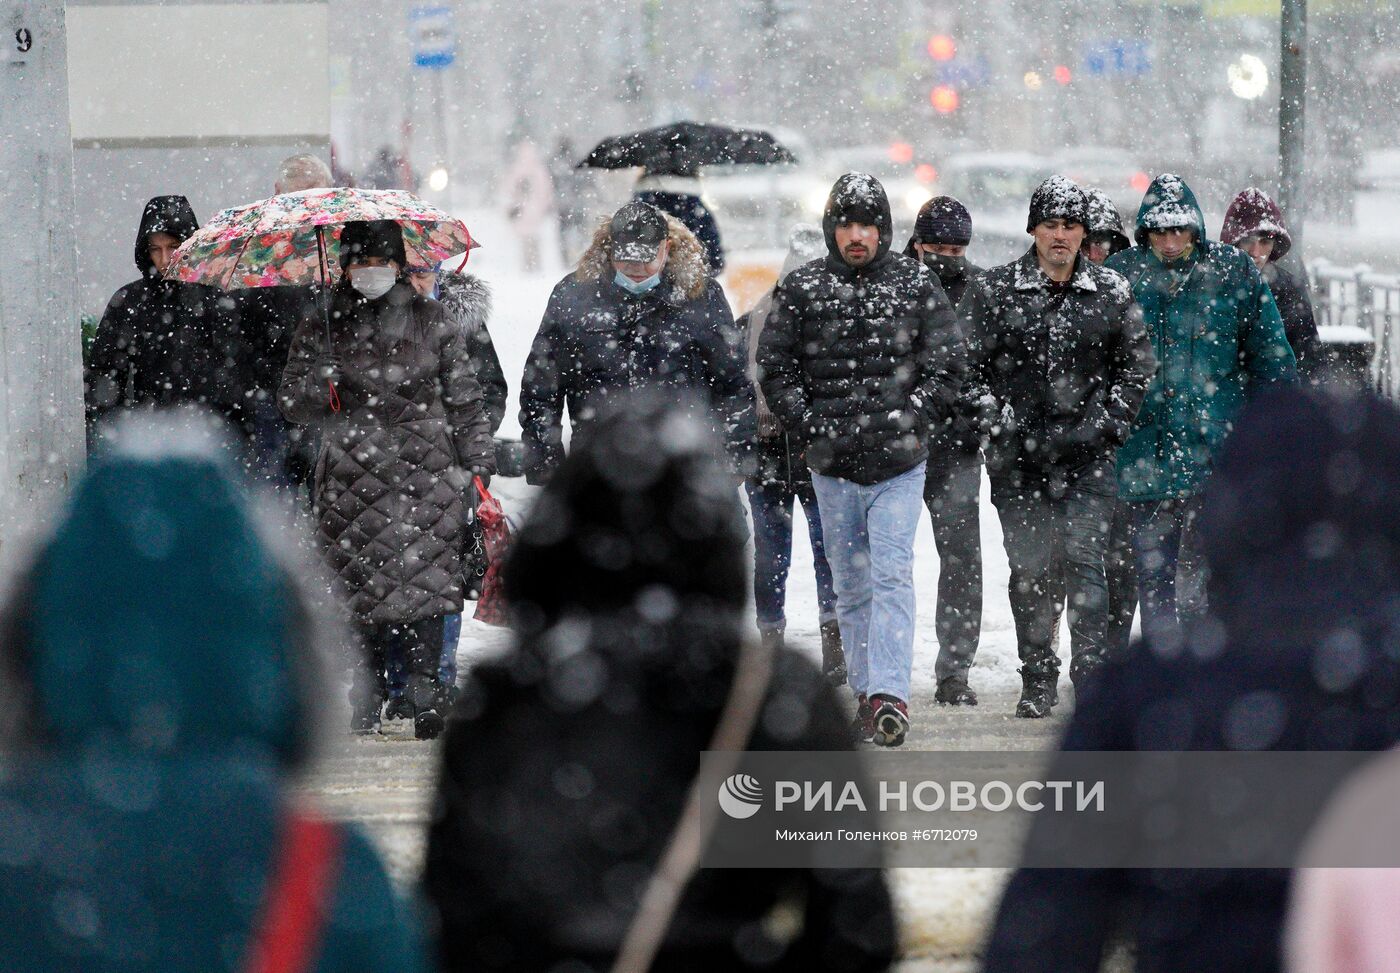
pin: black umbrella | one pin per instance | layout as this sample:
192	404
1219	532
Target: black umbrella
681	149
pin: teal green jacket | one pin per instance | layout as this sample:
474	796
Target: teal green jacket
156	695
1217	335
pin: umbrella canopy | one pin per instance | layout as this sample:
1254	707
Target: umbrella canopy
287	239
681	149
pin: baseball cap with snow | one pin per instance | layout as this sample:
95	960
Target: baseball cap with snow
638	230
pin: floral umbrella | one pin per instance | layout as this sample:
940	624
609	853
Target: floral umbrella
294	238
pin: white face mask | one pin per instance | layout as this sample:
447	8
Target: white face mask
373	282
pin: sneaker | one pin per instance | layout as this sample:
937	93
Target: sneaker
954	691
399	708
427	724
891	721
863	725
1038	692
833	656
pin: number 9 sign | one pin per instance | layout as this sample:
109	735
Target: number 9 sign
24	40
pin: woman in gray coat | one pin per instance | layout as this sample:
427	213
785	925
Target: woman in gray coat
391	384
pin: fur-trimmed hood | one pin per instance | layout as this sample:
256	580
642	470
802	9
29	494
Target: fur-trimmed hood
686	272
467	298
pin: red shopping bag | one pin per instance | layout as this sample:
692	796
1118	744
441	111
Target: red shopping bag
495	534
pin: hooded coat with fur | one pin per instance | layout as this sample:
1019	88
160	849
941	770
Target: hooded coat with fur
861	361
597	342
468	299
163	342
393	463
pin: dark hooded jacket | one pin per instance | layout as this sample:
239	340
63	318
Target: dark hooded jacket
862	362
1218	338
154	724
543	841
597	343
394	461
697	218
468	299
1303	559
163	342
1057	377
1250	212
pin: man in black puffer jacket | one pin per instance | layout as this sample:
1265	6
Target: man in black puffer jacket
1059	361
860	357
641	311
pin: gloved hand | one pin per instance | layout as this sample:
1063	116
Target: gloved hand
329	369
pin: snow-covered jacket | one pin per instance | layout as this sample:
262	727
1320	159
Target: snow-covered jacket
1057	378
163	342
468	299
597	342
393	464
1217	335
861	361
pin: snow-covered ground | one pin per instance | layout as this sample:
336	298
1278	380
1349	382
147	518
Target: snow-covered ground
385	782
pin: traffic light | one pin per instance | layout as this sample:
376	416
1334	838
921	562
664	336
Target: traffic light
944	99
941	47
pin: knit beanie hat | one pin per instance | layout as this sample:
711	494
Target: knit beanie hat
1058	198
943	220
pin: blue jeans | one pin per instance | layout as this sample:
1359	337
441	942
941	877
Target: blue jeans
771	505
869	533
1171	566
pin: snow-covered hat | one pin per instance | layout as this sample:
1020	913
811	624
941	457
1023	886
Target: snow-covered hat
1058	198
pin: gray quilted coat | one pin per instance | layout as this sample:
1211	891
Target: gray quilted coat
392	468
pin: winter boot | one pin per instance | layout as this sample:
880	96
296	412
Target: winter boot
427	724
833	656
1081	667
891	720
863	726
399	708
1038	692
771	639
954	691
426	697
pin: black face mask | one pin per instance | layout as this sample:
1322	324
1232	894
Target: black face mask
947	268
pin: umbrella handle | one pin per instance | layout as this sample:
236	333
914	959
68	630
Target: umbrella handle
335	397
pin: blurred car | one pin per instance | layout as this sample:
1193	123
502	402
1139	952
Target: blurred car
1115	171
996	188
907	178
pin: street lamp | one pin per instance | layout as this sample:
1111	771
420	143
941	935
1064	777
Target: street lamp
1249	77
437	178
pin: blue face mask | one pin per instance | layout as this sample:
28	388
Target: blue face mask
637	286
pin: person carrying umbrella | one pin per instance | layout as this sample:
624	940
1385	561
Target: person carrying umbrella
389	377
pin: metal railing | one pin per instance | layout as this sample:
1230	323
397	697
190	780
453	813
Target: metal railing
1353	304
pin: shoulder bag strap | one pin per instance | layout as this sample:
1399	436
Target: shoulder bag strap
288	930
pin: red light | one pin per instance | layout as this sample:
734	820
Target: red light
1062	75
925	172
901	153
944	99
1141	181
941	47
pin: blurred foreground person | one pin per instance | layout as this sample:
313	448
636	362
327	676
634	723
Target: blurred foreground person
640	311
1219	340
404	429
777	477
953	479
1254	223
160	681
1058	362
861	358
1301	526
566	765
164	342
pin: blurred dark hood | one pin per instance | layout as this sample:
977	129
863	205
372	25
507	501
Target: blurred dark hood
858	197
639	530
1302	518
163	214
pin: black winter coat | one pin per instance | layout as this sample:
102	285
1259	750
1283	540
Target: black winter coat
1261	673
860	362
1299	325
542	842
778	458
164	343
692	211
468	299
597	342
1057	377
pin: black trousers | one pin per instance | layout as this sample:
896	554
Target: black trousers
951	487
419	644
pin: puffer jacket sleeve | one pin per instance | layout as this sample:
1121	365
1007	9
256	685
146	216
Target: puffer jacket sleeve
303	397
463	400
1264	350
542	396
489	373
722	346
941	354
977	328
780	365
1131	370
